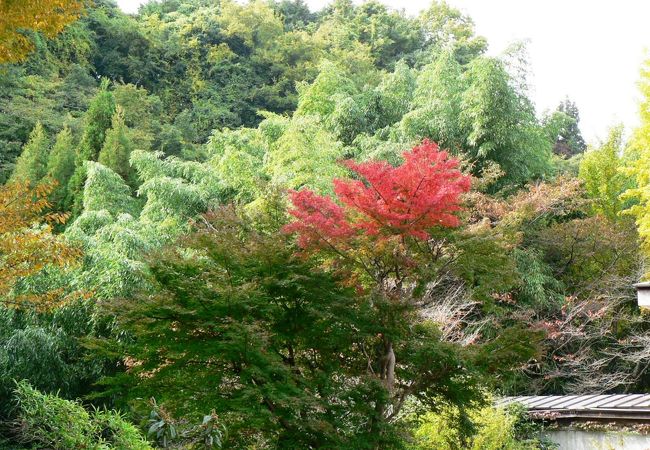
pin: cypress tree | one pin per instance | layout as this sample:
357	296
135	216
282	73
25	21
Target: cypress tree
97	122
570	142
60	166
31	165
117	148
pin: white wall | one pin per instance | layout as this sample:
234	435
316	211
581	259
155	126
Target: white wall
572	439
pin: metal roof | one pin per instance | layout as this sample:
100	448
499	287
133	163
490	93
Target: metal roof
634	407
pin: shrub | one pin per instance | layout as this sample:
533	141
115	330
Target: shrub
50	421
494	429
47	421
116	432
45	349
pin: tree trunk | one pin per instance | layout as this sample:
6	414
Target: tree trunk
388	365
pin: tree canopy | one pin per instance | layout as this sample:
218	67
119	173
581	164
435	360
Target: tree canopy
233	224
17	18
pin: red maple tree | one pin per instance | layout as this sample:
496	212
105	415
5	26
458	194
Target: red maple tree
369	231
384	202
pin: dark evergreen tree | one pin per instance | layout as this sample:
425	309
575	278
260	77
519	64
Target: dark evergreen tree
295	14
60	166
97	122
117	148
569	141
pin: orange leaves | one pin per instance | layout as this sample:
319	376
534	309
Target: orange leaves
47	16
27	244
318	219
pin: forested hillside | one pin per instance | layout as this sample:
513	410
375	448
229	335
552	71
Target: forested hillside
251	225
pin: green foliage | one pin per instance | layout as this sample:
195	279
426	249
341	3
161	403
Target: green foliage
601	169
305	155
583	251
51	422
479	110
44	349
255	24
106	190
31	166
206	67
556	125
373	110
161	427
287	366
116	230
494	429
396	92
437	103
48	421
435	431
641	135
142	114
388	35
569	139
209	103
317	98
447	28
36	354
96	122
51	97
109	233
238	159
638	168
116	432
539	286
60	166
500	123
117	148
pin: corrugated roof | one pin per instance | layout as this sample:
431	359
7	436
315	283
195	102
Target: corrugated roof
626	407
559	402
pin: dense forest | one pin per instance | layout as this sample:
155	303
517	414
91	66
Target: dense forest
255	226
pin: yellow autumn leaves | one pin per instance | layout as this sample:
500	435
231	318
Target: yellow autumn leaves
27	244
46	16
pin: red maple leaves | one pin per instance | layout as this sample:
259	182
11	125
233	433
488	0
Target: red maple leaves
386	201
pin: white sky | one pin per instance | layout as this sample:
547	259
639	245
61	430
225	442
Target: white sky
590	50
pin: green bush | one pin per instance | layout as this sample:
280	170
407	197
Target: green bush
51	422
47	421
494	429
116	432
45	349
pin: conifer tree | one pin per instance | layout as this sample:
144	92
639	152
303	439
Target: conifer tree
60	166
32	162
117	148
97	122
570	142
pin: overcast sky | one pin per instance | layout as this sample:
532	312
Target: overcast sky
590	50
